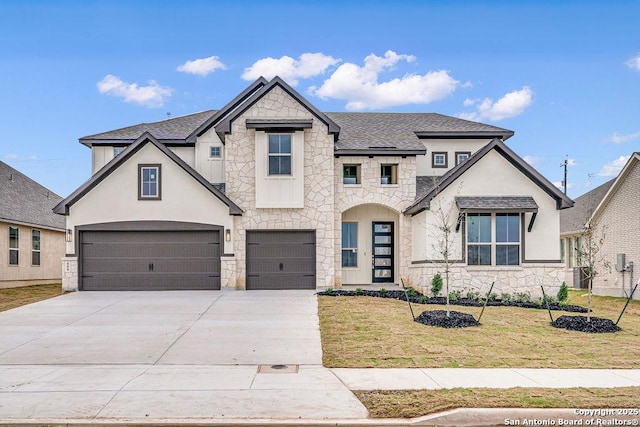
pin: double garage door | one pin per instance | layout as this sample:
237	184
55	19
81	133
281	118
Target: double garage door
136	260
150	260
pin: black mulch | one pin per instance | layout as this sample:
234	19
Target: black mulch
418	298
439	318
597	325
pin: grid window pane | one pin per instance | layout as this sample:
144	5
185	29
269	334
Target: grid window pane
13	237
13	257
215	152
479	255
507	255
150	182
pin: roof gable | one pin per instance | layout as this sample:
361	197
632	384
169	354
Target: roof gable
574	219
146	138
422	202
634	160
23	200
224	126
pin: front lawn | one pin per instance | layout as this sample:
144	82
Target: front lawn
363	332
16	297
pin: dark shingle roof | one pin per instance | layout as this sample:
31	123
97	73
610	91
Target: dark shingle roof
361	131
178	128
24	200
575	218
496	203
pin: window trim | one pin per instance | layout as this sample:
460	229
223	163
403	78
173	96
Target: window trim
289	155
352	249
394	173
211	155
466	153
358	167
494	243
16	249
439	153
33	250
158	168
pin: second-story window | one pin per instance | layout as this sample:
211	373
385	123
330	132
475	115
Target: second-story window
149	183
279	154
388	174
439	159
215	152
117	151
351	174
461	156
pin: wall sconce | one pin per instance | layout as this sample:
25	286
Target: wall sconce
227	235
69	235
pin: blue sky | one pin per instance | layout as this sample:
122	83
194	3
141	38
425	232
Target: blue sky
564	75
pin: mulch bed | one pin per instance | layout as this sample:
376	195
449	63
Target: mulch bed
417	298
440	319
597	325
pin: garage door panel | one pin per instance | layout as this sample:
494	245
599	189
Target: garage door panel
281	259
150	260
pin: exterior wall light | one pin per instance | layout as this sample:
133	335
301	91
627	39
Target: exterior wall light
227	235
69	235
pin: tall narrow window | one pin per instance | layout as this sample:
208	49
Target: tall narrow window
479	239
351	174
13	245
279	154
149	183
349	244
35	247
570	252
579	251
562	251
388	174
508	239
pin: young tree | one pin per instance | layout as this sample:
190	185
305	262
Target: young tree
589	254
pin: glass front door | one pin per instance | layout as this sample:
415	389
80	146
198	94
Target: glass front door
382	260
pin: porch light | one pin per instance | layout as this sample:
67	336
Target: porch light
69	235
227	235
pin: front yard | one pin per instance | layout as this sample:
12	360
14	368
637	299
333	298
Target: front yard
16	297
362	332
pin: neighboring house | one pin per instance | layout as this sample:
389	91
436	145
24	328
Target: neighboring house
271	193
613	209
32	237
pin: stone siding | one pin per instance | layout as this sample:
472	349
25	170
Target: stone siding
69	273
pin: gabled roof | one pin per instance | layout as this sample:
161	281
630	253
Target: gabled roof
175	130
146	138
364	132
574	219
22	200
224	126
423	201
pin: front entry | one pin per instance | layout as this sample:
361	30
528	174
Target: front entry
382	250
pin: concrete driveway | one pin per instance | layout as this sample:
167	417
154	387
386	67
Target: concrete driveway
168	356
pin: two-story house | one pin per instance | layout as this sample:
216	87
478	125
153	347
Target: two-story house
271	193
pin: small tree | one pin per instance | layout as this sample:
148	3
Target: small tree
436	285
589	252
563	293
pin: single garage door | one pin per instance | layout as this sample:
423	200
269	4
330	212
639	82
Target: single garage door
281	259
150	260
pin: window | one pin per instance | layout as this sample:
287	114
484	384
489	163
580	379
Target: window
439	160
279	154
508	239
35	247
149	184
570	252
13	245
388	174
117	150
483	246
349	244
351	174
562	259
214	152
579	251
461	156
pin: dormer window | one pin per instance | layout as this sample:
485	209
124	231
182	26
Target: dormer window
279	154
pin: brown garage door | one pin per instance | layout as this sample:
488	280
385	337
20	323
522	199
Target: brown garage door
150	260
281	259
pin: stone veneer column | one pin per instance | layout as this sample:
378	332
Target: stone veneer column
228	272
70	273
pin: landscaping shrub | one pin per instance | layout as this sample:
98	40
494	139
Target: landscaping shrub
436	285
563	293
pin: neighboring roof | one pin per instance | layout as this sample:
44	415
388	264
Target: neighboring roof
146	138
497	203
25	201
423	200
171	130
224	126
590	203
403	131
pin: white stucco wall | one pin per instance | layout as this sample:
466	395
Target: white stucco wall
450	146
116	198
185	153
100	156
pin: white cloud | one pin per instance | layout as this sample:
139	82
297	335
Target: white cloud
468	102
360	87
511	105
19	157
559	185
203	66
290	69
534	161
152	95
634	63
619	139
613	169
